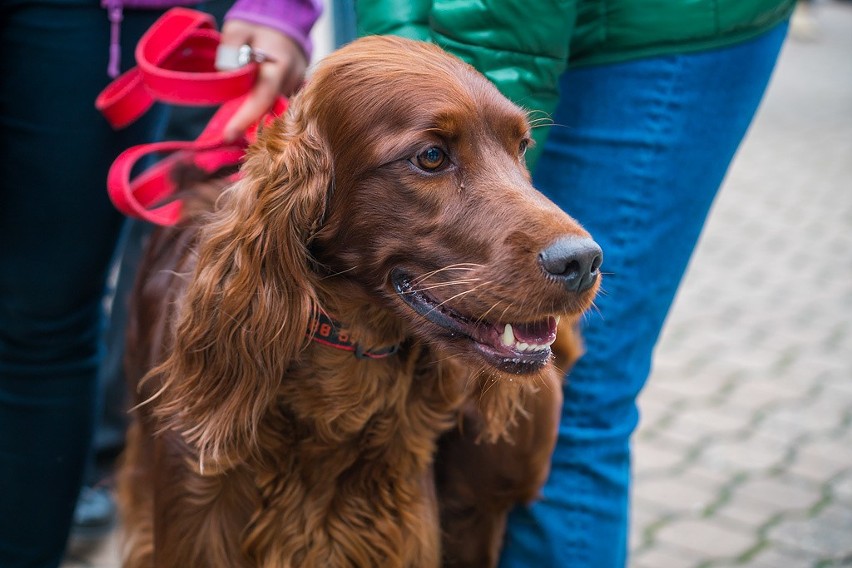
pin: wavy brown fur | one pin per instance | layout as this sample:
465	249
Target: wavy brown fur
254	446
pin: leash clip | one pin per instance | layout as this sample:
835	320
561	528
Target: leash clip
229	57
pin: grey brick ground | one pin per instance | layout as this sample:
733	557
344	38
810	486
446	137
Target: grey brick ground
747	417
744	452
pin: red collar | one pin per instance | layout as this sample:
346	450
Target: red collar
331	333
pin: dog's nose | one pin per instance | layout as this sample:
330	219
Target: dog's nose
574	260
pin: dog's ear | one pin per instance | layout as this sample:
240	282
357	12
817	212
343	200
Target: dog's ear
246	313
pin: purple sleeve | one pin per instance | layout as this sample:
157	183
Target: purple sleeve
294	18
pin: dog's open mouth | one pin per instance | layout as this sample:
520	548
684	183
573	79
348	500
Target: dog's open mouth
518	348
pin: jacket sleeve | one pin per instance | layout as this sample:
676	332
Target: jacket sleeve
294	18
520	45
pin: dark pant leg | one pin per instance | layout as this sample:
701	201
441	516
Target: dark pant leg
57	233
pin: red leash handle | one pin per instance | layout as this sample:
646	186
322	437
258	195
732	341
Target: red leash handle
175	64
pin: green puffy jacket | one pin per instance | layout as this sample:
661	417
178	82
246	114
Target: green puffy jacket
523	46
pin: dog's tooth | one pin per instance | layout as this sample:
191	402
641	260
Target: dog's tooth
523	347
508	336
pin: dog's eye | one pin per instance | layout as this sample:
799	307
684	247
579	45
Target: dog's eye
522	148
431	159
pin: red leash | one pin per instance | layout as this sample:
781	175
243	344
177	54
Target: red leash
175	64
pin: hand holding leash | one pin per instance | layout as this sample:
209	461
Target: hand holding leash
175	64
282	66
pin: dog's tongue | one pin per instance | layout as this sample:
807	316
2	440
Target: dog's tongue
537	332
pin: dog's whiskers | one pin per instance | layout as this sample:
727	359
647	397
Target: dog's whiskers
492	380
545	384
482	317
538	118
464	293
508	307
458	266
442	285
595	307
339	273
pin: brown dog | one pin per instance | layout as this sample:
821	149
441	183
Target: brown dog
393	197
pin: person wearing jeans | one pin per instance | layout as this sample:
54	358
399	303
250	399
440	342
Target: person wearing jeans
639	155
649	101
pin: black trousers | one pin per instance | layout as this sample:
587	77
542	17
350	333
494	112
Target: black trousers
57	235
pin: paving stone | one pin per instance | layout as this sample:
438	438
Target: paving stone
745	455
708	538
710	421
663	556
765	391
842	437
835	382
820	460
842	488
739	362
779	492
757	501
747	514
835	563
816	417
696	382
827	534
670	362
653	458
778	557
832	397
655	406
678	493
791	423
699	423
839	384
834	365
662	434
641	518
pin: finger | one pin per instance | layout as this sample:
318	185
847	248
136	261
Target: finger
258	102
236	33
292	83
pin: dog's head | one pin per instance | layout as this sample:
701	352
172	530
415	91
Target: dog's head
431	206
400	170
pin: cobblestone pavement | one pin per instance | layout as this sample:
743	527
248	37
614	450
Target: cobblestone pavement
744	453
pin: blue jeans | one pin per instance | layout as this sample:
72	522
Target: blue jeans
57	234
637	156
